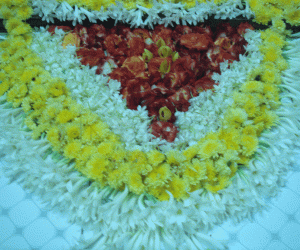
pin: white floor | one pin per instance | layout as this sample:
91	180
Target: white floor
25	224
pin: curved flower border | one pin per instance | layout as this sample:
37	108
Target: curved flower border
172	12
288	121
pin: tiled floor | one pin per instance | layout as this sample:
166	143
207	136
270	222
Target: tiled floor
25	224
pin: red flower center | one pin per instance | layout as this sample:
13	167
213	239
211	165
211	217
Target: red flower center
160	69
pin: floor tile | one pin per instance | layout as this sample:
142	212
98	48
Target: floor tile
277	245
7	228
297	216
287	201
57	243
16	242
254	236
236	246
290	235
11	195
39	232
266	219
24	213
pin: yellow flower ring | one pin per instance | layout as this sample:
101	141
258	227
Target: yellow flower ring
132	196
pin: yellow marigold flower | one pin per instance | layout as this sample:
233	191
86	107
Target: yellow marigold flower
86	152
5	56
268	76
4	44
26	76
36	133
175	157
72	150
278	25
262	14
10	68
223	183
281	64
4	86
87	118
160	193
135	184
195	172
24	12
12	24
292	15
38	97
21	29
271	92
251	107
2	75
191	152
57	88
116	178
250	130
6	12
30	123
53	108
119	154
96	168
211	149
267	117
106	148
195	187
19	2
239	98
139	162
155	157
138	157
231	155
96	132
252	86
235	117
221	166
28	38
113	138
210	170
129	5
253	3
191	3
16	92
53	136
231	138
271	53
33	60
19	43
73	131
159	175
244	160
178	188
249	144
270	36
64	116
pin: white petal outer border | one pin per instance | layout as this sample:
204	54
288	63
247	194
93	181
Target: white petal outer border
173	12
122	217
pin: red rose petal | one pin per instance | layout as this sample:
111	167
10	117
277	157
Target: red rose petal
166	130
196	41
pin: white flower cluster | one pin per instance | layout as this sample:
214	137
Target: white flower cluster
172	12
93	92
